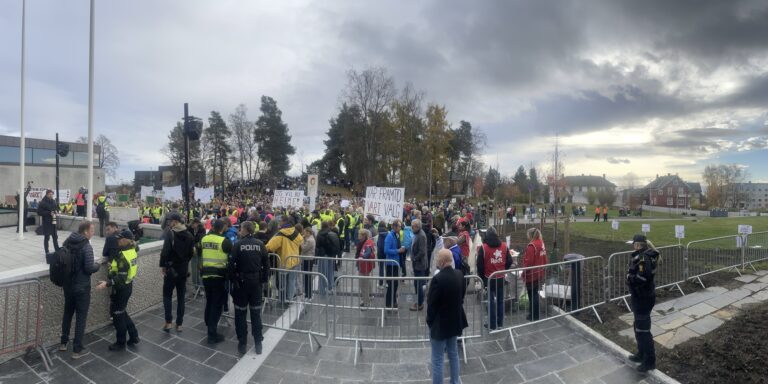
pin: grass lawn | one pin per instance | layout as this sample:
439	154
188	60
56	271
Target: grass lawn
663	232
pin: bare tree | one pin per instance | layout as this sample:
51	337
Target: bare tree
242	138
108	155
372	90
630	180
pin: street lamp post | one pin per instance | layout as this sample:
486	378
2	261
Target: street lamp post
192	131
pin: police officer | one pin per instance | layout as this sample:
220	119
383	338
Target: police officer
102	212
249	268
122	271
215	247
642	288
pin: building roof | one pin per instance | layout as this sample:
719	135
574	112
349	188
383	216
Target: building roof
695	187
588	181
663	181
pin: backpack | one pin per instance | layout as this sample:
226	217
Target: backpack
101	210
62	265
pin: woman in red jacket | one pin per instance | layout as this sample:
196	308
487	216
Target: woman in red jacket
535	255
367	251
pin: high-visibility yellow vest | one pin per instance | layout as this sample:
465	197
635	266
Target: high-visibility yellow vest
157	212
317	223
130	257
103	199
341	230
214	258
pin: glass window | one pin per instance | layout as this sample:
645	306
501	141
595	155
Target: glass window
669	201
69	159
11	155
43	156
81	158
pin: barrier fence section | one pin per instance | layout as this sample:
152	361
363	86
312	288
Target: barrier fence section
713	255
22	319
671	270
572	286
330	267
358	316
756	249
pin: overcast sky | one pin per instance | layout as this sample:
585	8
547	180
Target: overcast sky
650	87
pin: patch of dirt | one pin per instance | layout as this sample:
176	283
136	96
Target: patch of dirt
733	353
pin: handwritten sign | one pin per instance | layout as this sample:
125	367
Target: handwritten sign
344	203
679	231
312	181
615	225
386	204
646	228
745	229
287	199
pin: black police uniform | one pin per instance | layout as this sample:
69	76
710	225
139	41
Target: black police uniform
642	288
249	268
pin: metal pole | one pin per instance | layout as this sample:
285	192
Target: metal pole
89	200
21	122
186	161
430	182
57	170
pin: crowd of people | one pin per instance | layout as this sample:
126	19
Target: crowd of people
224	246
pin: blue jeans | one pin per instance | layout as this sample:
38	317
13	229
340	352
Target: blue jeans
496	303
439	347
419	285
325	267
287	285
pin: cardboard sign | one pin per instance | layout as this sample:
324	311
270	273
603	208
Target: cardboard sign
386	204
205	195
344	203
679	231
312	181
287	199
646	228
745	229
614	225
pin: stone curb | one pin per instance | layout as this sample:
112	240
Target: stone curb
655	375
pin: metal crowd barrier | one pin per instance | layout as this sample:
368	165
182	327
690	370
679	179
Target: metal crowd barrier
756	249
670	272
713	255
22	318
572	286
379	323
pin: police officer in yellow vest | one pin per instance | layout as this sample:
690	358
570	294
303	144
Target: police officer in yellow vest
216	248
122	271
350	232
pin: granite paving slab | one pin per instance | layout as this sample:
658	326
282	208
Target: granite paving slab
705	324
746	278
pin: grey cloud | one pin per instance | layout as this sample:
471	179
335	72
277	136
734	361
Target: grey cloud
614	160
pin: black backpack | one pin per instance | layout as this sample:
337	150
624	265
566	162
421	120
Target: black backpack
101	209
62	265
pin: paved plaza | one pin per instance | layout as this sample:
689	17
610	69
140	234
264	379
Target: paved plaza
28	254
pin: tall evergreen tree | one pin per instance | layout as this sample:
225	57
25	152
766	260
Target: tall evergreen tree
272	135
217	135
534	184
521	182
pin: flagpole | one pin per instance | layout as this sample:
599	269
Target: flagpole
22	218
89	200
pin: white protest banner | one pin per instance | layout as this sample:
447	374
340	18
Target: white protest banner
385	203
36	194
614	225
172	193
745	229
287	199
64	196
679	231
344	203
205	195
646	228
159	195
312	181
146	191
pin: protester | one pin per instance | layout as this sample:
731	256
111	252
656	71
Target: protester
642	289
197	231
420	260
249	269
535	255
77	290
393	249
492	257
445	316
285	243
327	245
308	249
406	240
380	239
178	247
366	250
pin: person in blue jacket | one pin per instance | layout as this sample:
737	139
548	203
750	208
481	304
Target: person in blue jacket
393	249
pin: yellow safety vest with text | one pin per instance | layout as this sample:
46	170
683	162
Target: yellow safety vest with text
214	258
129	255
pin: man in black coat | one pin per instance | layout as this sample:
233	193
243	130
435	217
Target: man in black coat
445	315
47	209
